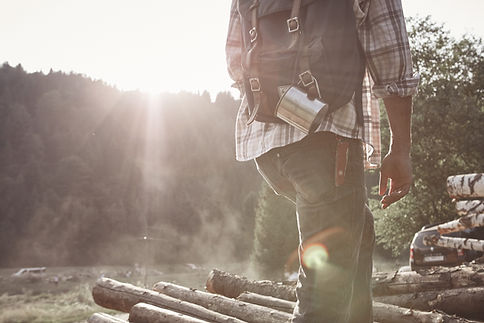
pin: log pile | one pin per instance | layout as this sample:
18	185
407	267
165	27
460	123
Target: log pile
437	295
468	191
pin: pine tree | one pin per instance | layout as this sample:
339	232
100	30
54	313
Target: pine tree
275	234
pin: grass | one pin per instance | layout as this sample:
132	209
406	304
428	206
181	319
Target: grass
72	306
63	295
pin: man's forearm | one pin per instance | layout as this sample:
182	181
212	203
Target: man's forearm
399	111
396	165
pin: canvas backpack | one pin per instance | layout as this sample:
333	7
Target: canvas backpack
312	44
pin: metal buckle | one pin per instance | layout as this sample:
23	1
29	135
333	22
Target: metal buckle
253	34
254	84
293	24
306	78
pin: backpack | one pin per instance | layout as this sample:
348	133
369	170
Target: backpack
311	44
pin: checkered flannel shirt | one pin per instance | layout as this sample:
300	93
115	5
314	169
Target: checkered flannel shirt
383	36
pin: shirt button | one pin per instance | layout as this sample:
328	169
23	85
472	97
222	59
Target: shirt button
391	88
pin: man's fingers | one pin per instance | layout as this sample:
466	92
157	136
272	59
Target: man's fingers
383	183
395	195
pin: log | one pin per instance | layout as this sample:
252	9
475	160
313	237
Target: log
456	243
382	313
466	302
242	310
268	301
469	206
143	313
465	222
467	186
231	285
104	318
386	313
436	278
122	297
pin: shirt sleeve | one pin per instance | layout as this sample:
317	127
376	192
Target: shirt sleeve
233	46
383	36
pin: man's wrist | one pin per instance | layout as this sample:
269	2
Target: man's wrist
400	148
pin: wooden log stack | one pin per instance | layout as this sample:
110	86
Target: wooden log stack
437	295
468	191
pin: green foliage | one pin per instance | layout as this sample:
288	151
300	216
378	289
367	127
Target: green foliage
448	136
275	234
86	171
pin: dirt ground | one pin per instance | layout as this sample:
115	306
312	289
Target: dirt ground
63	294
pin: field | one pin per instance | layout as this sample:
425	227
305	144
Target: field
63	294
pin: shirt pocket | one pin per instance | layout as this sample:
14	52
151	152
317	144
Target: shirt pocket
360	8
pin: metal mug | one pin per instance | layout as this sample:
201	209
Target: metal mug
295	108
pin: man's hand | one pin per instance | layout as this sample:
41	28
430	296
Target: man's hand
397	168
396	165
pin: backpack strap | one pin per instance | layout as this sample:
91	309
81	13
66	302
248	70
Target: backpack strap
293	26
254	81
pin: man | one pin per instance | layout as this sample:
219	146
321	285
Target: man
335	226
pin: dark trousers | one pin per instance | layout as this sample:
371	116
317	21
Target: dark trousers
335	228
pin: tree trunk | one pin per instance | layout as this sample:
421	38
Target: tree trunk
468	186
122	297
466	302
456	243
430	279
268	301
142	313
385	313
104	318
465	222
231	285
221	304
383	283
469	206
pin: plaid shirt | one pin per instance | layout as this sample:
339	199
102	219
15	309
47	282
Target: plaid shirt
383	36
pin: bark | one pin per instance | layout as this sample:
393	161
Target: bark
142	313
231	285
465	222
104	318
385	313
465	302
268	301
469	206
122	297
436	278
244	311
468	186
456	243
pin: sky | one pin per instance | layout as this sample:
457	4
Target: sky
154	45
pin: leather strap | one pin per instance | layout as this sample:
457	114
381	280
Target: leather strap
253	68
341	160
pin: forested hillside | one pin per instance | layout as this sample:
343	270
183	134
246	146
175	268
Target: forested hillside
93	175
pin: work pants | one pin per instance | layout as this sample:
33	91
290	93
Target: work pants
335	228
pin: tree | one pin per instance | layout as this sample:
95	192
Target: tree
448	136
276	235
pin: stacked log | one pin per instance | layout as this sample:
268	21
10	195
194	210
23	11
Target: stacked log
468	190
437	295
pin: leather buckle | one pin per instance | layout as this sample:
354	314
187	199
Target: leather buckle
253	34
254	84
306	78
293	24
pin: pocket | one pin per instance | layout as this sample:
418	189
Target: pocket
278	67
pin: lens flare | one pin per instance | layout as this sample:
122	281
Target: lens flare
315	256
